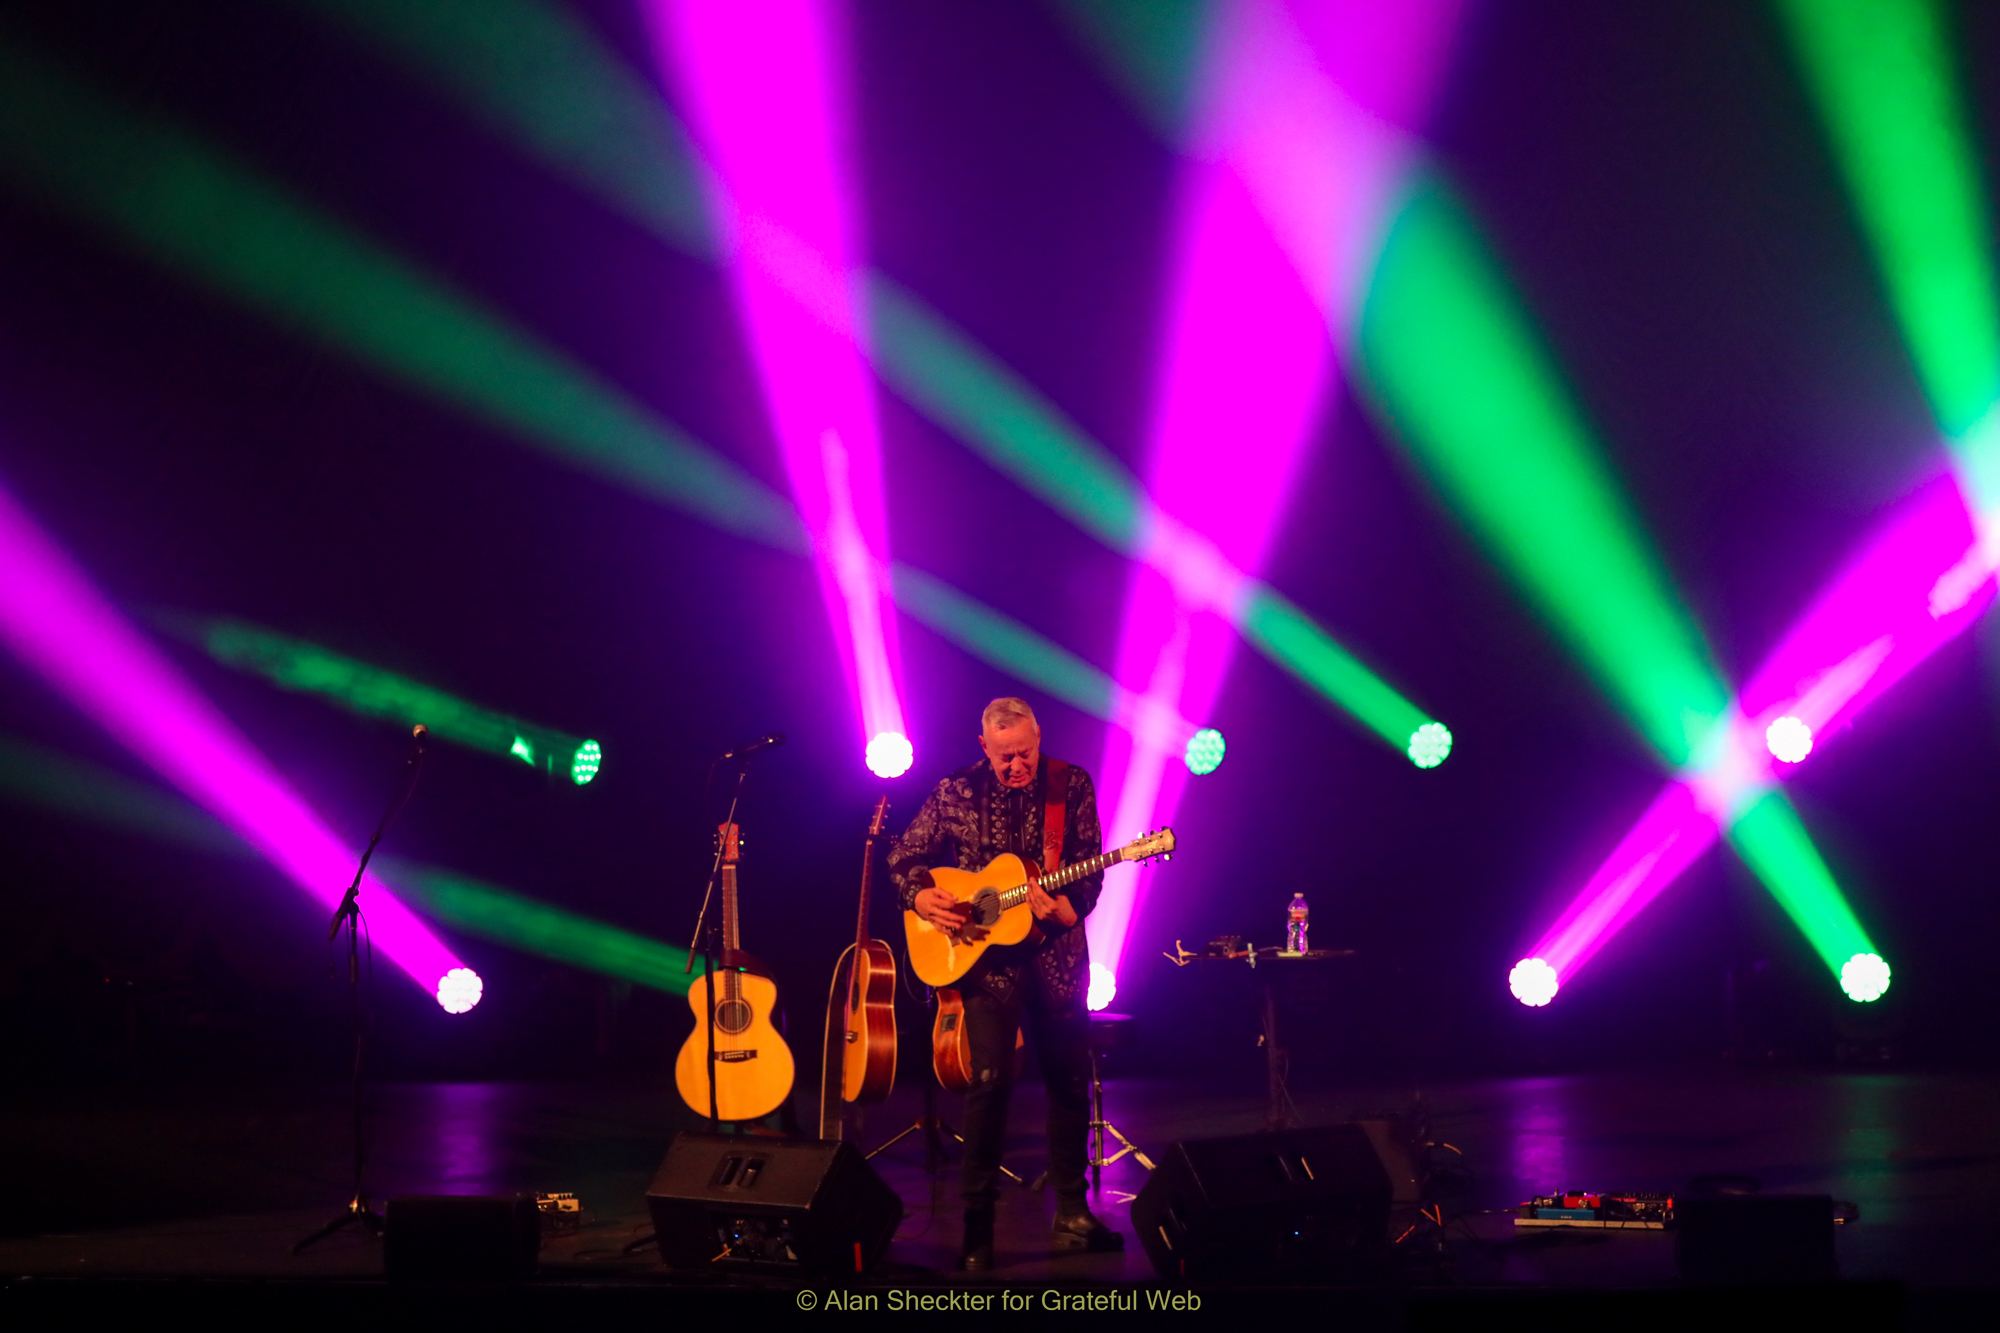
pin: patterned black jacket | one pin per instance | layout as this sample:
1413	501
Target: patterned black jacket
970	818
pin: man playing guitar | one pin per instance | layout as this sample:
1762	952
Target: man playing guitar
972	816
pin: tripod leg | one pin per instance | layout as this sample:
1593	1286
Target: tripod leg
1130	1147
903	1134
358	1213
1097	1123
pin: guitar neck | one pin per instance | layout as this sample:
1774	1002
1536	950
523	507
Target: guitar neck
1053	880
867	868
732	939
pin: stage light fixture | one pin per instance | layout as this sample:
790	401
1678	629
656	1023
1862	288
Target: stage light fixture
1204	751
1789	740
890	755
1103	987
1533	982
1865	978
370	691
1430	745
57	622
460	990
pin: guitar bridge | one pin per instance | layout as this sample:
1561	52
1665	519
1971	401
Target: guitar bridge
735	1057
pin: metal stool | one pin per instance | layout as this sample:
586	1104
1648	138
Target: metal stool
1107	1033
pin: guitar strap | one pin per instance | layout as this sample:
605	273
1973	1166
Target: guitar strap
1055	797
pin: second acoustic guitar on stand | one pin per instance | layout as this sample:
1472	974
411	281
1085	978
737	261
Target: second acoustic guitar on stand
753	1066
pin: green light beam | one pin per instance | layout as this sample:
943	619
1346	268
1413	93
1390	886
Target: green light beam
1012	647
190	206
1775	845
1883	76
552	81
316	275
582	97
945	376
1151	48
1448	362
371	691
1452	367
531	926
1456	373
45	779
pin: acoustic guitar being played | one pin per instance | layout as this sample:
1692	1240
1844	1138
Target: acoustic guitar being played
752	1066
996	898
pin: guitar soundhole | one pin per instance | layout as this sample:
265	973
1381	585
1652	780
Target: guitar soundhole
732	1016
985	907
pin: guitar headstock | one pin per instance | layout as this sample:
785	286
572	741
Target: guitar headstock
1160	844
876	824
731	838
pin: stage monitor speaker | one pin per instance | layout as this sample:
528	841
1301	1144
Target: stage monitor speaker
461	1238
1754	1240
813	1206
1297	1204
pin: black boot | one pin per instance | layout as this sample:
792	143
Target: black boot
1077	1228
975	1252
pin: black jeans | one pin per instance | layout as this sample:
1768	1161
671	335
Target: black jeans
1061	1037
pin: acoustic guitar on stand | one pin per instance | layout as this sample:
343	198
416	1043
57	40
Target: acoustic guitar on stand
752	1066
866	1059
998	896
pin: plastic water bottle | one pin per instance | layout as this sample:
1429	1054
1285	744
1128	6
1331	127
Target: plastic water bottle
1295	924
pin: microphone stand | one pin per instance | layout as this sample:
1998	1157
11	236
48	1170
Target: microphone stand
705	932
358	1211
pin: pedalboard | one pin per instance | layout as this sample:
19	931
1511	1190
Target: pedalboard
1611	1212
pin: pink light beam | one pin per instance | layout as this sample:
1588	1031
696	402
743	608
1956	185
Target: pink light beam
1288	184
53	619
762	84
1875	622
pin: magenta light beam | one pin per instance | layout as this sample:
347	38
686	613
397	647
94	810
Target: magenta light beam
53	619
1287	184
762	81
1875	622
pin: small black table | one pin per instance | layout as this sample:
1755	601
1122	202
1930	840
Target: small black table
1279	1113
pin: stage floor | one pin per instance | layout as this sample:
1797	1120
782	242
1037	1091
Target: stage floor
218	1183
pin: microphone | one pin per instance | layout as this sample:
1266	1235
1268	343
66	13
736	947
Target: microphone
419	736
761	743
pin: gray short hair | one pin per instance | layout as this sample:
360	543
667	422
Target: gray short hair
1003	713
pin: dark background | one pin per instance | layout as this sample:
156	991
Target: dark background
1650	174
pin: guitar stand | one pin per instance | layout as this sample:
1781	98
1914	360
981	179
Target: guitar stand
933	1127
